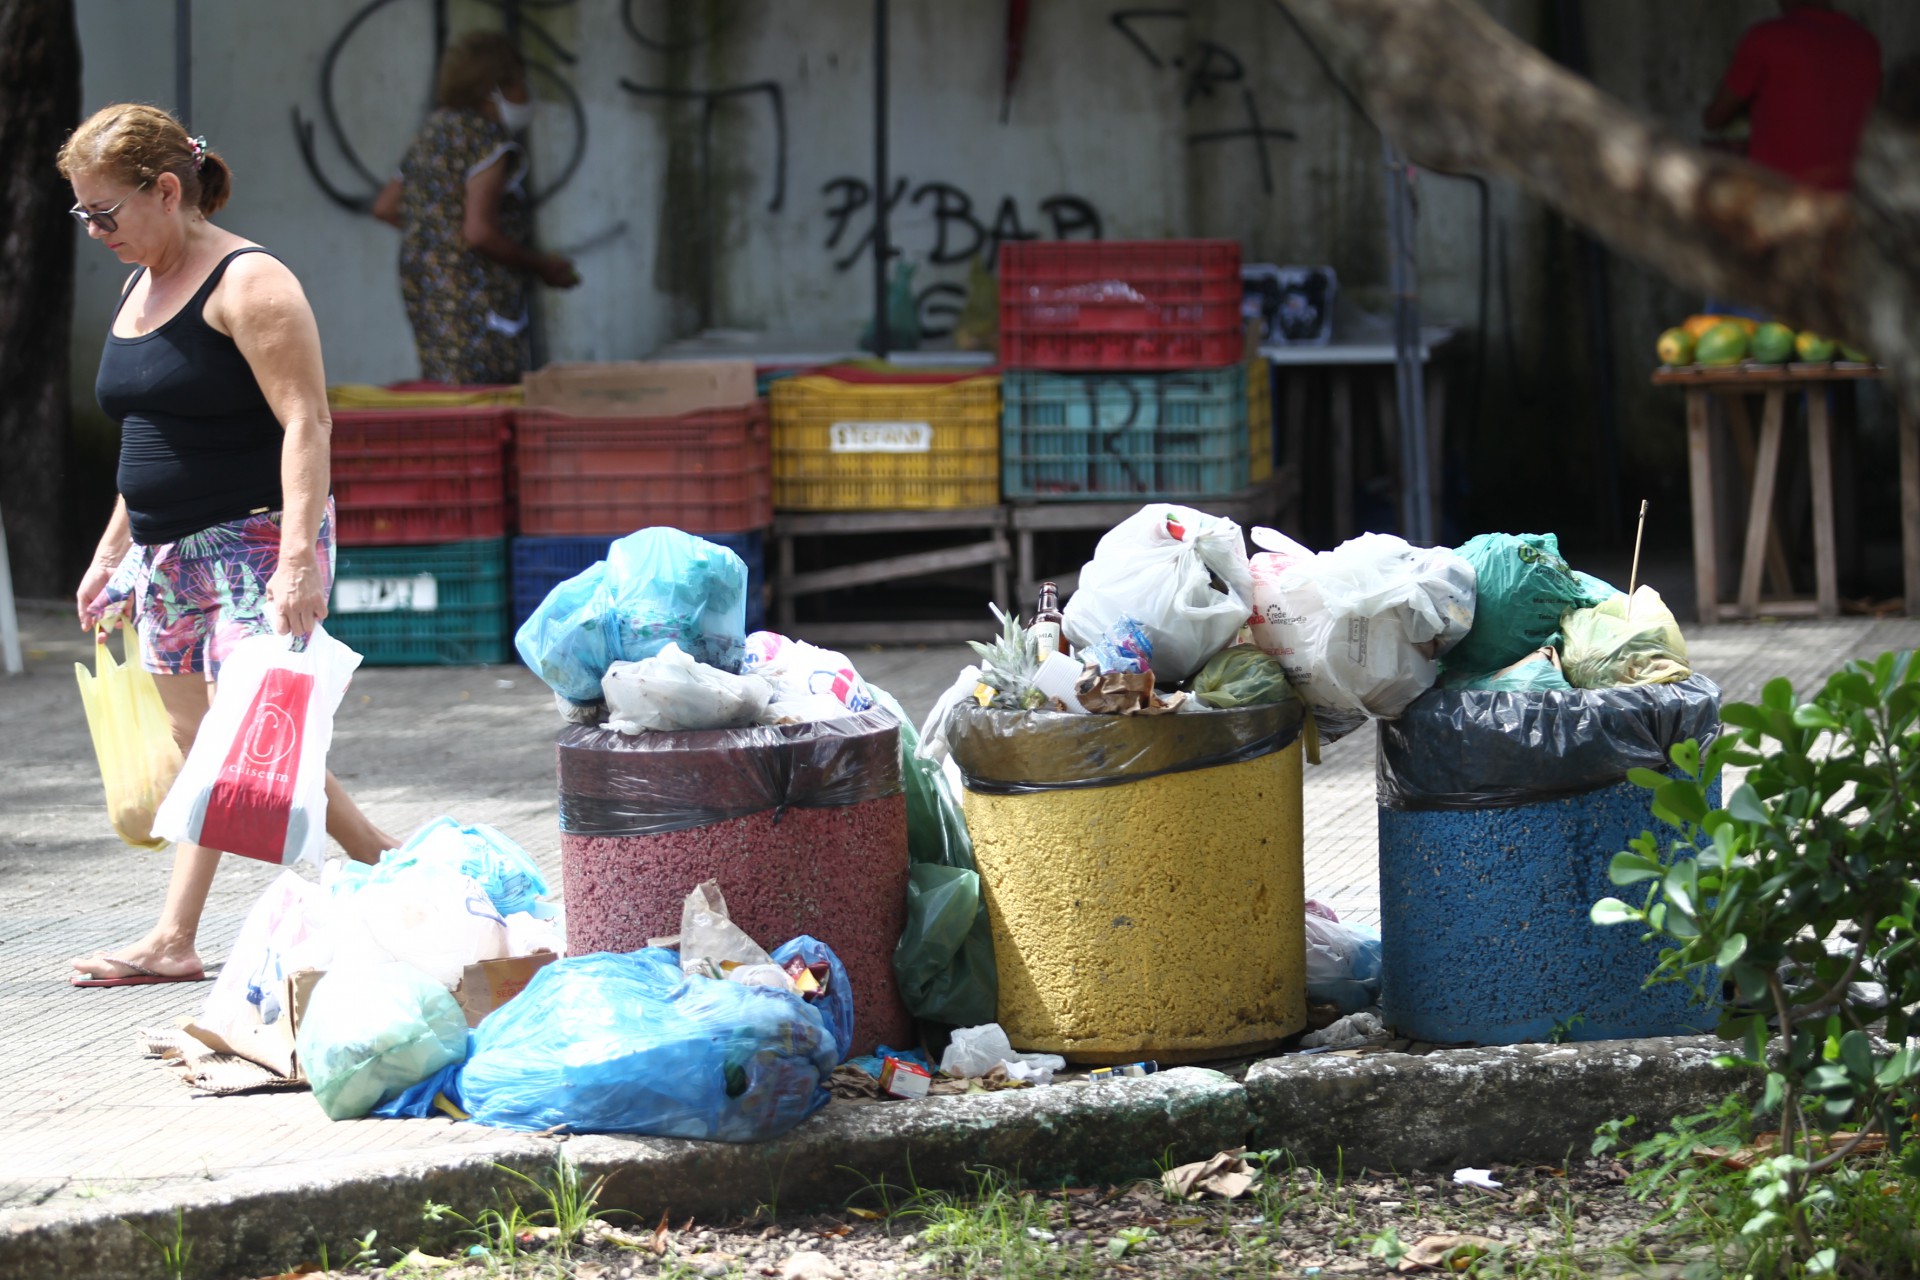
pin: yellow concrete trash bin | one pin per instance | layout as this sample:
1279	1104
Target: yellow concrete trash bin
1143	877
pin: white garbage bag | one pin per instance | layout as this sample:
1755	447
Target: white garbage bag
1159	566
1360	629
671	691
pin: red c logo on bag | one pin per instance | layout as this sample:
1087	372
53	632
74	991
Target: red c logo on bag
252	798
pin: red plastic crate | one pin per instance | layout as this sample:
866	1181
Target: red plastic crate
420	475
1120	304
706	472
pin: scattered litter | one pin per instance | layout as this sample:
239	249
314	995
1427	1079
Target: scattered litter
1226	1176
1446	1253
900	1079
1353	1030
809	1265
1130	1071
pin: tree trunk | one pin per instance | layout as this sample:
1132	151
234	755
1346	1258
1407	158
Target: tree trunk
1457	91
39	106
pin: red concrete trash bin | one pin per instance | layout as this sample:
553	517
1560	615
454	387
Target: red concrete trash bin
804	826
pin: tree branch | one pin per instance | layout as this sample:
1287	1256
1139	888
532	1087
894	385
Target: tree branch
1458	91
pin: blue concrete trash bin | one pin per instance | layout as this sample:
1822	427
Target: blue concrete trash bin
1499	813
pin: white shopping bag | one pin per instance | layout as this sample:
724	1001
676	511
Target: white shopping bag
1360	629
1158	568
255	782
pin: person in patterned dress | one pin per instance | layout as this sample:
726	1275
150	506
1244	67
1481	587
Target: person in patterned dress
460	201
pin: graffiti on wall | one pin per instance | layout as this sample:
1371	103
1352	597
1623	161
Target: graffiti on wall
958	227
1207	70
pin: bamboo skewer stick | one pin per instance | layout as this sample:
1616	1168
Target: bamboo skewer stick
1633	577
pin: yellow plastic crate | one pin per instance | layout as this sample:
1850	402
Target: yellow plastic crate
1259	421
357	395
857	446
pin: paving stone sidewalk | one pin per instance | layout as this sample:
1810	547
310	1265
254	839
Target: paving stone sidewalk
83	1115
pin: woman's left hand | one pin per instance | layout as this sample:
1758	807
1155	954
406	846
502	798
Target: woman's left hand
294	595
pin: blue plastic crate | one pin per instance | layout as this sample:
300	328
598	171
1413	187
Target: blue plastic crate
1113	436
440	605
541	564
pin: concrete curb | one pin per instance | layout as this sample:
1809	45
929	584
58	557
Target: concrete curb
1468	1106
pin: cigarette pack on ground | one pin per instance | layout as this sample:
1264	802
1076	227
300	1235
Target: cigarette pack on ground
903	1080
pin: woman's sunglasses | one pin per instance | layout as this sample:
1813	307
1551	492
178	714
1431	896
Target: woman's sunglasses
104	219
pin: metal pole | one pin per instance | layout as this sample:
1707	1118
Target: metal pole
1416	493
183	62
882	339
9	620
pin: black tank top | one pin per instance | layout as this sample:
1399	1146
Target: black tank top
199	445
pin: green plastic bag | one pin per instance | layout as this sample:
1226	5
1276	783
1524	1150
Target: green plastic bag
373	1031
944	960
1538	672
1242	676
1625	640
1523	587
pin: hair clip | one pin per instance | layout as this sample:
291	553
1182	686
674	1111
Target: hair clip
199	148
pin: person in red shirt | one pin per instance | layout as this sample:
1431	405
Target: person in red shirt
1807	80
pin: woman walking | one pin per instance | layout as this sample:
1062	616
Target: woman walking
460	201
224	527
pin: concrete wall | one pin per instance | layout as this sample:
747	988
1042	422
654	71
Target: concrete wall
1145	124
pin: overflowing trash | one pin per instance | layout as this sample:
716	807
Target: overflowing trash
438	980
629	1043
655	588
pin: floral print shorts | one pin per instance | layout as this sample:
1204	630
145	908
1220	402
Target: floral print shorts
195	599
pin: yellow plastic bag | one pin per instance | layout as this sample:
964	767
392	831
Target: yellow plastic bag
132	739
1624	640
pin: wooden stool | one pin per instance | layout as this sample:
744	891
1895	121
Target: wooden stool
1763	553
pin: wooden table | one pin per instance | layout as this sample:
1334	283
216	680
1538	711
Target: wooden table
1763	554
1344	361
1262	504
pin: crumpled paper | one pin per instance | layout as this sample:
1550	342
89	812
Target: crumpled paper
1226	1175
1126	693
1446	1253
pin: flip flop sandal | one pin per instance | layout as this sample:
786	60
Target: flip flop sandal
140	977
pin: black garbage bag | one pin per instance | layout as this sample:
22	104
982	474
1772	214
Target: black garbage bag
1487	749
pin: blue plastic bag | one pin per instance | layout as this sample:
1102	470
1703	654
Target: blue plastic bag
372	1031
1343	964
507	872
611	1043
836	1006
655	587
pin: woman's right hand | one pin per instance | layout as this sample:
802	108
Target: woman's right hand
557	272
90	601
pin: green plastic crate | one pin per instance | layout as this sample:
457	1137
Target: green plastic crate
443	605
1096	437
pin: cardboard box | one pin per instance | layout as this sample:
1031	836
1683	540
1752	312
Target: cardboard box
269	1046
900	1079
640	389
486	986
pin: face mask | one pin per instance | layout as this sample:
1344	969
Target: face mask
516	116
